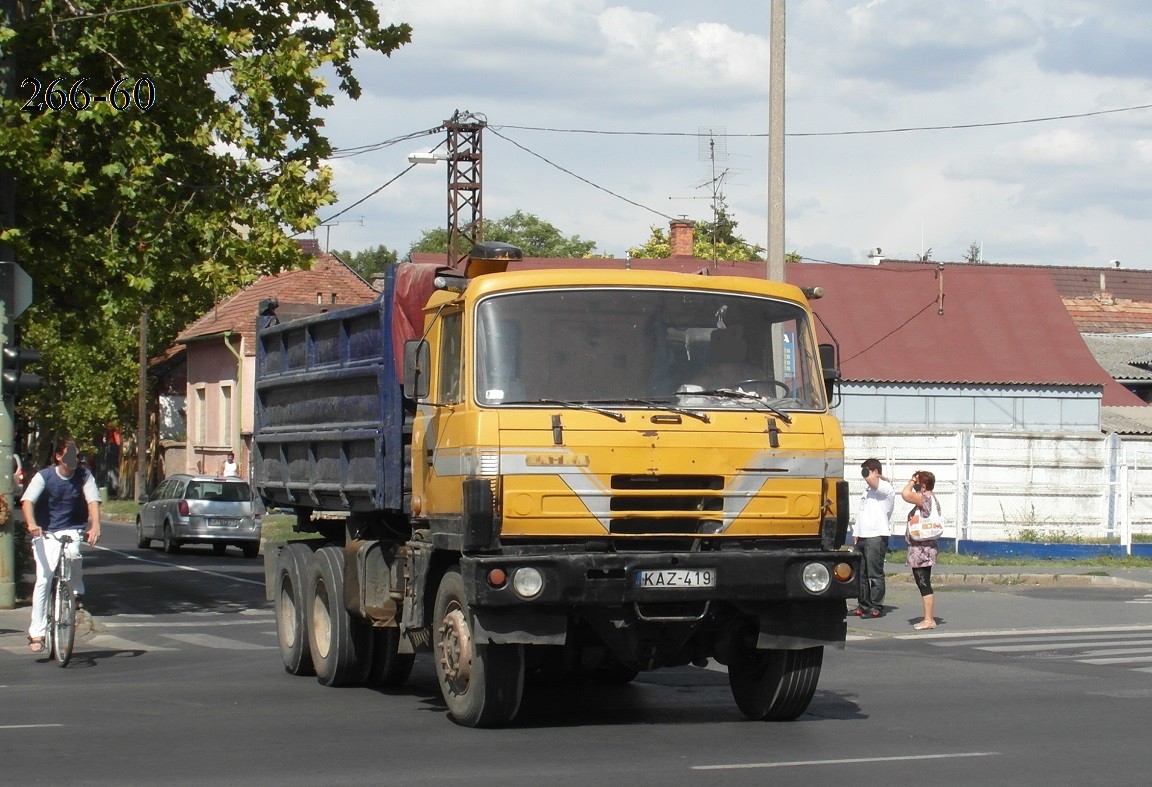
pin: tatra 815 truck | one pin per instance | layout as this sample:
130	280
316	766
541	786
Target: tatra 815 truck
580	473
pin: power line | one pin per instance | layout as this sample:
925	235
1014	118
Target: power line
356	151
578	177
901	130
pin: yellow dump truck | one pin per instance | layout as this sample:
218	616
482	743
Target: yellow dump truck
587	472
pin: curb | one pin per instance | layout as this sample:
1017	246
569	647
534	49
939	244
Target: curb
1011	579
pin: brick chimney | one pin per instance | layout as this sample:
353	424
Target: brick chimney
682	238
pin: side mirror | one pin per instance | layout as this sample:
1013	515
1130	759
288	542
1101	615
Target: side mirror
831	371
417	362
142	499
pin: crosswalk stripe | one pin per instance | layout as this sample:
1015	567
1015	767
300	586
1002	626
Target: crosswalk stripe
1059	645
212	641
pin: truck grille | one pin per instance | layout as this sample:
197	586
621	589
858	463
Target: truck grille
680	504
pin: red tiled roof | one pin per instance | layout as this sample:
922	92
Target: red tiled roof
313	288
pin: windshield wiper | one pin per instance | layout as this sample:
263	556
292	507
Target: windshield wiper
732	393
573	406
658	406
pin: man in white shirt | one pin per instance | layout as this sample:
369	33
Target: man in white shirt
870	535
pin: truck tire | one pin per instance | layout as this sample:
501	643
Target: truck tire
482	684
340	644
775	685
291	626
389	668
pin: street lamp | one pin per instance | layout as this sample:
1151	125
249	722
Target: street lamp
426	157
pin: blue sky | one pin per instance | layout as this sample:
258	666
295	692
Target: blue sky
1076	191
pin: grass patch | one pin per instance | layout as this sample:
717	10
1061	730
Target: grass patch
119	510
952	559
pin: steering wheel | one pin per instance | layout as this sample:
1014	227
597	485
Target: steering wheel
774	383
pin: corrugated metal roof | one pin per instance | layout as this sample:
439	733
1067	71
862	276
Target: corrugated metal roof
1126	420
1125	357
962	324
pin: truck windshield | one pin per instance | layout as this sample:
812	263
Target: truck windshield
635	347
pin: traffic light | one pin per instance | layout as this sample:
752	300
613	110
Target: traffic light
16	380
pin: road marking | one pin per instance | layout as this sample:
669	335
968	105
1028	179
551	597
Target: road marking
155	624
1016	637
116	643
28	726
1079	645
1098	647
193	569
846	761
219	643
999	636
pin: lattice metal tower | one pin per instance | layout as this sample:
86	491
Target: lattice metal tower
465	196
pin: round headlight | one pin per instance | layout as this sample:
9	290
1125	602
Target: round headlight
527	582
816	577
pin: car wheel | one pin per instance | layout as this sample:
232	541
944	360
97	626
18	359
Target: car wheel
340	644
291	621
171	545
219	548
251	550
142	541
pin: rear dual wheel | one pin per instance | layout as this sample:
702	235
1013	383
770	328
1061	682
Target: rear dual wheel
341	645
291	624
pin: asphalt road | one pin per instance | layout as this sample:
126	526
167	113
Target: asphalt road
178	681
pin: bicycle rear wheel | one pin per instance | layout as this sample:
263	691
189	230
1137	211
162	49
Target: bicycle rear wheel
63	624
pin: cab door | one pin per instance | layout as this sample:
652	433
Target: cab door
439	430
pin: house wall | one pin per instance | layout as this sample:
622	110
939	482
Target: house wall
996	486
214	399
1002	408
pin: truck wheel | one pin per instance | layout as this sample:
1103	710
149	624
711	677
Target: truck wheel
291	627
482	684
389	668
775	685
340	644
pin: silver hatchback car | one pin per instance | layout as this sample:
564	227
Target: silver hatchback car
193	509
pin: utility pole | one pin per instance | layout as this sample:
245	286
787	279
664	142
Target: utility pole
775	254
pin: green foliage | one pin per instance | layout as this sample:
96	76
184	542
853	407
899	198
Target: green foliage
974	253
368	261
711	240
171	207
531	234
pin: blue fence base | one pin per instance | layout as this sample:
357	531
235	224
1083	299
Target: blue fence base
1032	550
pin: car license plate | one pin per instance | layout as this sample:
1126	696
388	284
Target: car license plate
675	578
216	521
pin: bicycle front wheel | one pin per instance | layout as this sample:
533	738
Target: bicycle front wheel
63	622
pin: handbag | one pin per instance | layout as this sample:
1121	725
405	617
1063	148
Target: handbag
927	528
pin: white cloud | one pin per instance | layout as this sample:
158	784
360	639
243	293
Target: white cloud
1068	191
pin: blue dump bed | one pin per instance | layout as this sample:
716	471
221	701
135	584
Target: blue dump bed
329	410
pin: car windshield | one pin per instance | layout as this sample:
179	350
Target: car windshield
230	492
637	347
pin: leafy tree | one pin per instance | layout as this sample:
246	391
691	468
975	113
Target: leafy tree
184	183
531	234
716	239
368	261
926	256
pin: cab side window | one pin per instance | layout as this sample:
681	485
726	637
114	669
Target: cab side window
451	359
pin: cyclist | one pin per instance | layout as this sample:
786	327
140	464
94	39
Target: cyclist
62	499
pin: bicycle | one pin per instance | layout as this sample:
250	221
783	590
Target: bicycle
61	632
